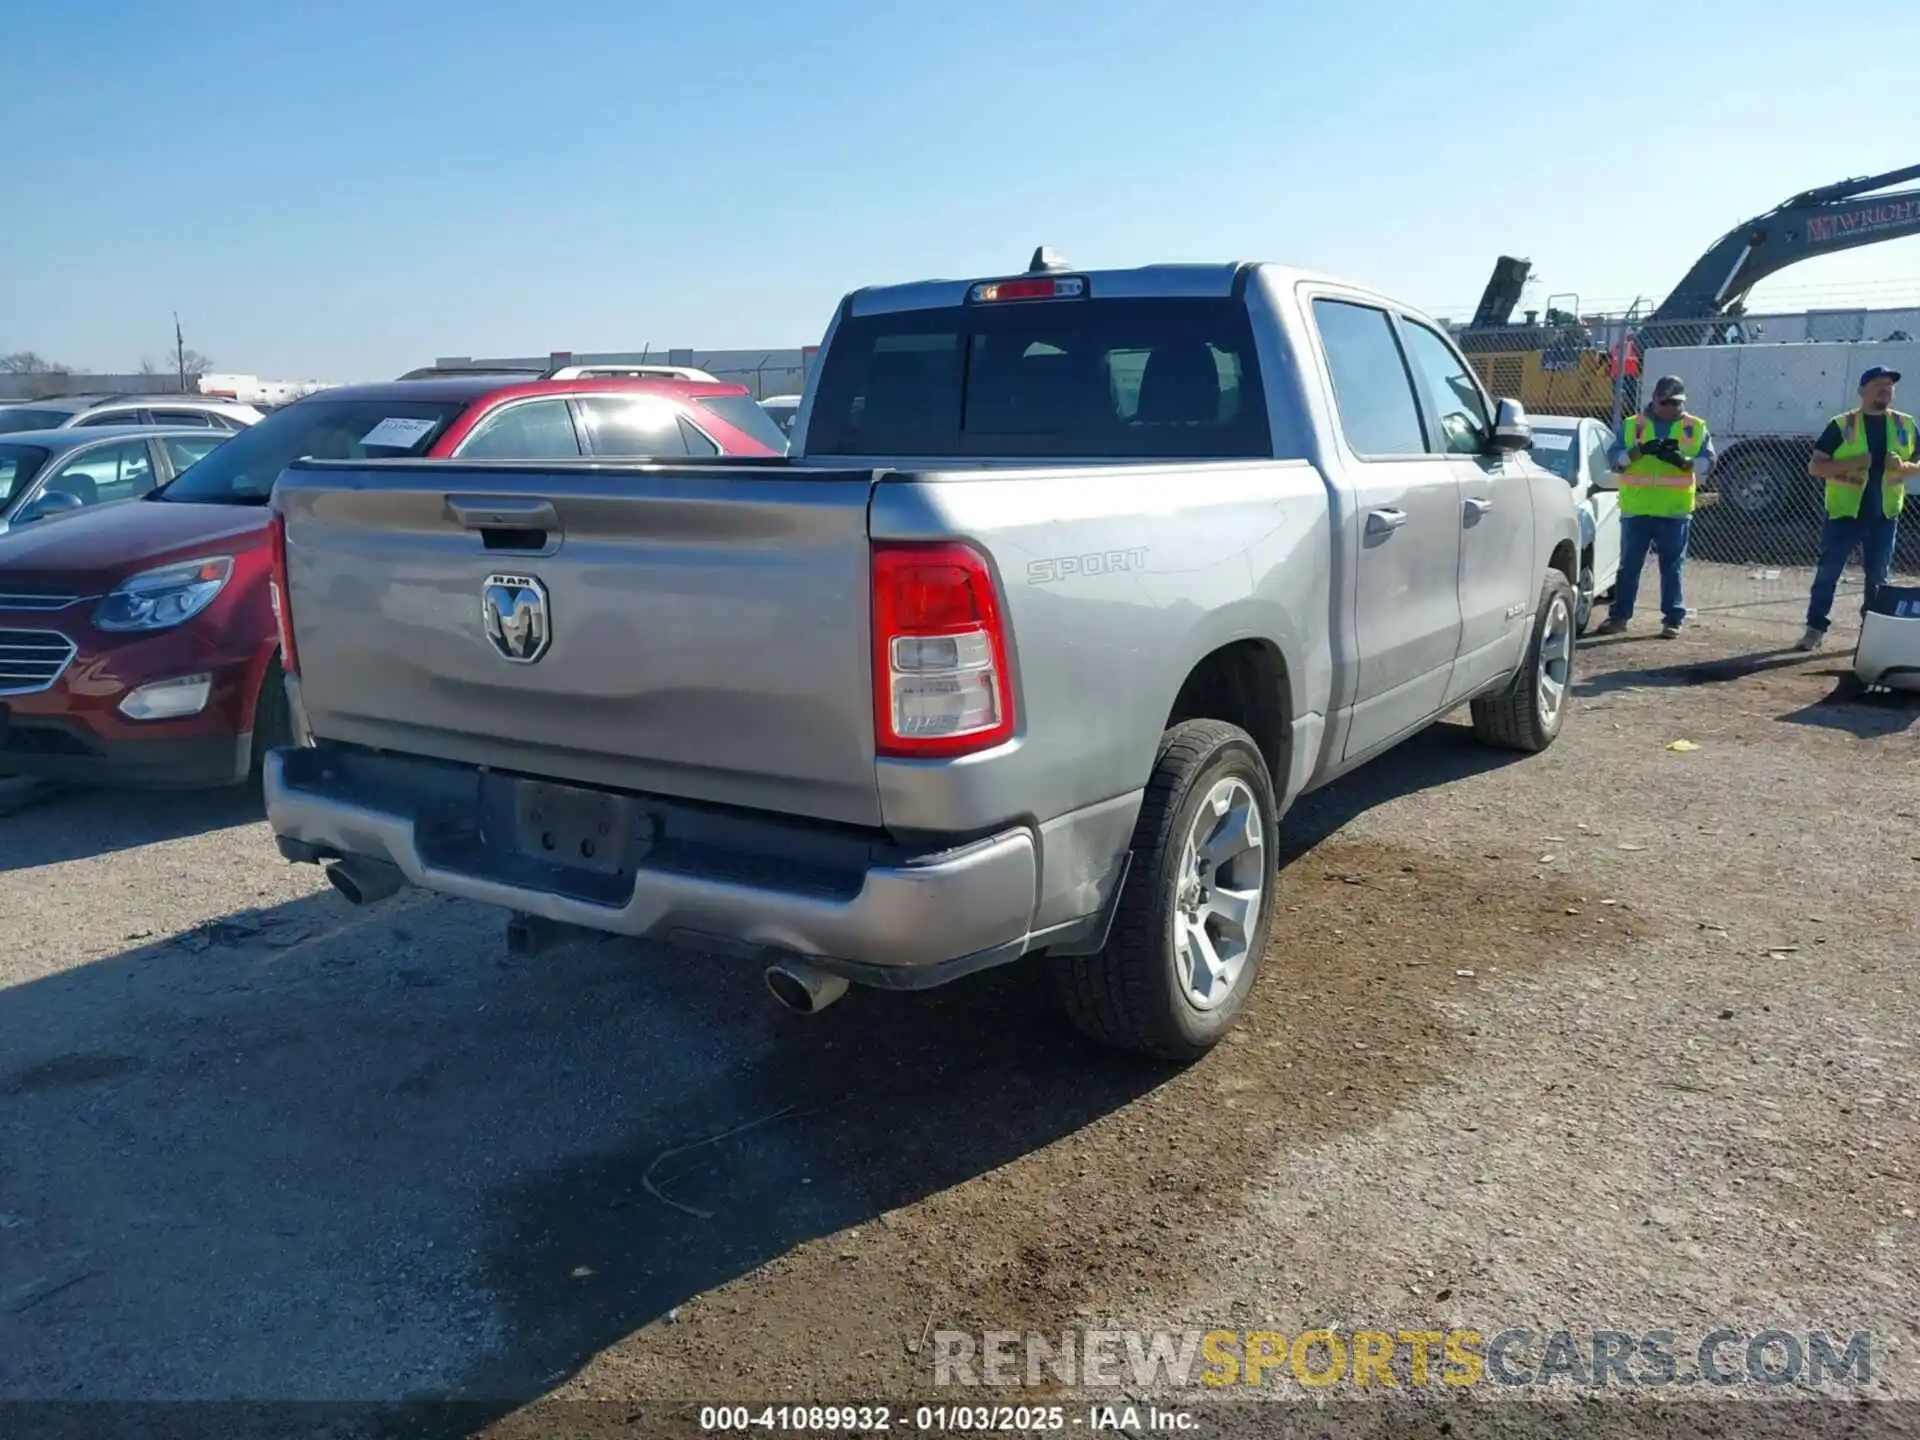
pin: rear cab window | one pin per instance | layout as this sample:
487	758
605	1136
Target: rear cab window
1085	378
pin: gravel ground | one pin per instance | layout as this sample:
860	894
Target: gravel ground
1620	1036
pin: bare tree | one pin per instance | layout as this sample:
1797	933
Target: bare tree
26	362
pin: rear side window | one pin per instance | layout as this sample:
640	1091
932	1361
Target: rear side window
183	450
744	414
695	439
1371	386
111	417
1088	379
634	427
182	417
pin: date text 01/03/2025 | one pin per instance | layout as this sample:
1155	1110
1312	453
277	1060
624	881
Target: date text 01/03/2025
941	1419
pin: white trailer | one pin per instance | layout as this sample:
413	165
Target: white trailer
1767	404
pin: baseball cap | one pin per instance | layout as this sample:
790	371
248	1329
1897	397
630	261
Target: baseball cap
1879	372
1672	387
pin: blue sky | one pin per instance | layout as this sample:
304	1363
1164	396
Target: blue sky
341	192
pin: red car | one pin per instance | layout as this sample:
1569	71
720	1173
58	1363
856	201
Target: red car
137	641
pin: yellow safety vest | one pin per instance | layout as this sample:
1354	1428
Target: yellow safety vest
1650	486
1843	496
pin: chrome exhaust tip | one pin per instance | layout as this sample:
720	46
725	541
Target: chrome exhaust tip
803	989
364	881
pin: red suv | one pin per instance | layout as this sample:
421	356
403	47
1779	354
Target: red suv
137	641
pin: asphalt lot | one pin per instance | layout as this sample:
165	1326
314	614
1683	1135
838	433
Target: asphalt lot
1618	1032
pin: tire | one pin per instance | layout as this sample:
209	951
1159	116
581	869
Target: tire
1133	994
1583	599
1519	717
272	720
1756	487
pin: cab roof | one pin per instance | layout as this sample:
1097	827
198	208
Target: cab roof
1145	282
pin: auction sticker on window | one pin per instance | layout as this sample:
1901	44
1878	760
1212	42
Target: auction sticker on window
394	433
1542	440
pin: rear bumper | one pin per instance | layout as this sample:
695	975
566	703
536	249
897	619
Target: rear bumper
757	887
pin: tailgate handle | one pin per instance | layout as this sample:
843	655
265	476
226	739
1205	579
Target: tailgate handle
507	522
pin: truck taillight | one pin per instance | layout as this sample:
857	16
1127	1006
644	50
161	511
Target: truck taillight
277	592
940	680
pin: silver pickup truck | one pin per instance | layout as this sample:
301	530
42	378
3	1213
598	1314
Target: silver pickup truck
1073	582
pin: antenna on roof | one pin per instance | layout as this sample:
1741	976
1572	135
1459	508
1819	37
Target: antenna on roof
1046	261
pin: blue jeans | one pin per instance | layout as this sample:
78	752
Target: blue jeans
1667	536
1874	534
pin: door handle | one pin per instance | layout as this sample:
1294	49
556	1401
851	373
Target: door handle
1385	522
503	512
1476	506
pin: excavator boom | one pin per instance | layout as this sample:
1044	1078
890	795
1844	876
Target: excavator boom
1824	221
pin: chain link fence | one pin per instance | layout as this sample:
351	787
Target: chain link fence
1756	532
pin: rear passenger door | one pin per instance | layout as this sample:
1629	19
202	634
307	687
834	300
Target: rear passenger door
1499	574
1405	537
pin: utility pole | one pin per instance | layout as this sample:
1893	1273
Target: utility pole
179	352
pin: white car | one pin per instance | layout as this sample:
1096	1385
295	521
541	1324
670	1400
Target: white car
783	410
1576	451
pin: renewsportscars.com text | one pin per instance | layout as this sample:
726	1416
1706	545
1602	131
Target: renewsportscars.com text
1517	1357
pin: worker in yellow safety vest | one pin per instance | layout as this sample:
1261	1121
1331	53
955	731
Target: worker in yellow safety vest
1662	454
1866	456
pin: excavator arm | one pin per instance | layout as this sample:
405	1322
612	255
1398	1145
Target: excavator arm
1825	221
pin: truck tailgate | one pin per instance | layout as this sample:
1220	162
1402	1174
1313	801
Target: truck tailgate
698	631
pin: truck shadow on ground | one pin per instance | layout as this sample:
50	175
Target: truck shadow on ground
1439	755
48	825
309	1149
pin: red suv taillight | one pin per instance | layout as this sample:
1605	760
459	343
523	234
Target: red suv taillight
941	685
277	592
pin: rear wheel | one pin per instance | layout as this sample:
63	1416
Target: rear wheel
1528	713
1193	918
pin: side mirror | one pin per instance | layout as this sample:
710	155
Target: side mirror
51	502
1511	432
